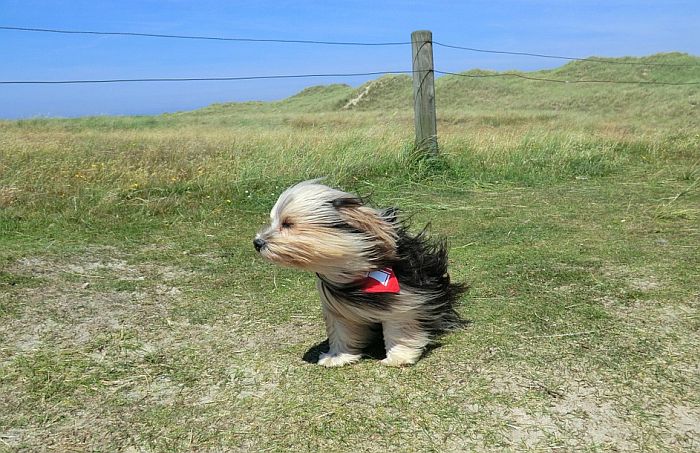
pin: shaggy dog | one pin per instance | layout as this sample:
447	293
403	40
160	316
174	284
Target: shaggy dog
372	274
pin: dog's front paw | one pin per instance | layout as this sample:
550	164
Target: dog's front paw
393	361
401	356
338	359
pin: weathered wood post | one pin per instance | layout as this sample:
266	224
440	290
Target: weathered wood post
424	91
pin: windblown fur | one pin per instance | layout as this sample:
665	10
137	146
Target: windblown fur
337	236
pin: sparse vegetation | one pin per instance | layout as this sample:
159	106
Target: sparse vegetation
134	314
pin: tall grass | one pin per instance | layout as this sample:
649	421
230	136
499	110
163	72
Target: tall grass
89	171
100	168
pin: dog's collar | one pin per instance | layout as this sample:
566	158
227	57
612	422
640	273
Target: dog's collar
381	281
375	282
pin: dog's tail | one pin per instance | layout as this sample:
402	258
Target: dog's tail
423	264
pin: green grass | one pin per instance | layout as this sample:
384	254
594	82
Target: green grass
134	313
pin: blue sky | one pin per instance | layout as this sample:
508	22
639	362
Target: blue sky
574	28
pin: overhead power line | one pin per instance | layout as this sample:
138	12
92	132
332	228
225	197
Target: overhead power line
560	57
339	43
208	38
197	79
564	81
350	74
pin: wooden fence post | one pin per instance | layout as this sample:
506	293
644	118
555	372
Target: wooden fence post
424	91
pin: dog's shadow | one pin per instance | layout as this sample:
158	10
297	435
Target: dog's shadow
375	350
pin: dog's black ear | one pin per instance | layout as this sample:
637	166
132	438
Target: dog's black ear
346	202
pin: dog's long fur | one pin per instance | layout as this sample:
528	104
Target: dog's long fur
337	236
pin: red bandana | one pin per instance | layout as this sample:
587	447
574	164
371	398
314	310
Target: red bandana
381	281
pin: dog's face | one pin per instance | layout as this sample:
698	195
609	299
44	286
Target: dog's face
325	230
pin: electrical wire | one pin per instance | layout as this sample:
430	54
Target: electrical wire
208	38
544	79
560	57
341	43
338	43
352	74
197	79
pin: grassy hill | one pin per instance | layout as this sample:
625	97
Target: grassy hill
485	96
479	90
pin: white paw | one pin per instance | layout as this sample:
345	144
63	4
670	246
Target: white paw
397	361
339	359
401	355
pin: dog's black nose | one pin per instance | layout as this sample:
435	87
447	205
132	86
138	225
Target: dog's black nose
258	243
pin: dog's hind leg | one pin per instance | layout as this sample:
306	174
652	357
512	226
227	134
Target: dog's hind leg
346	339
404	340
